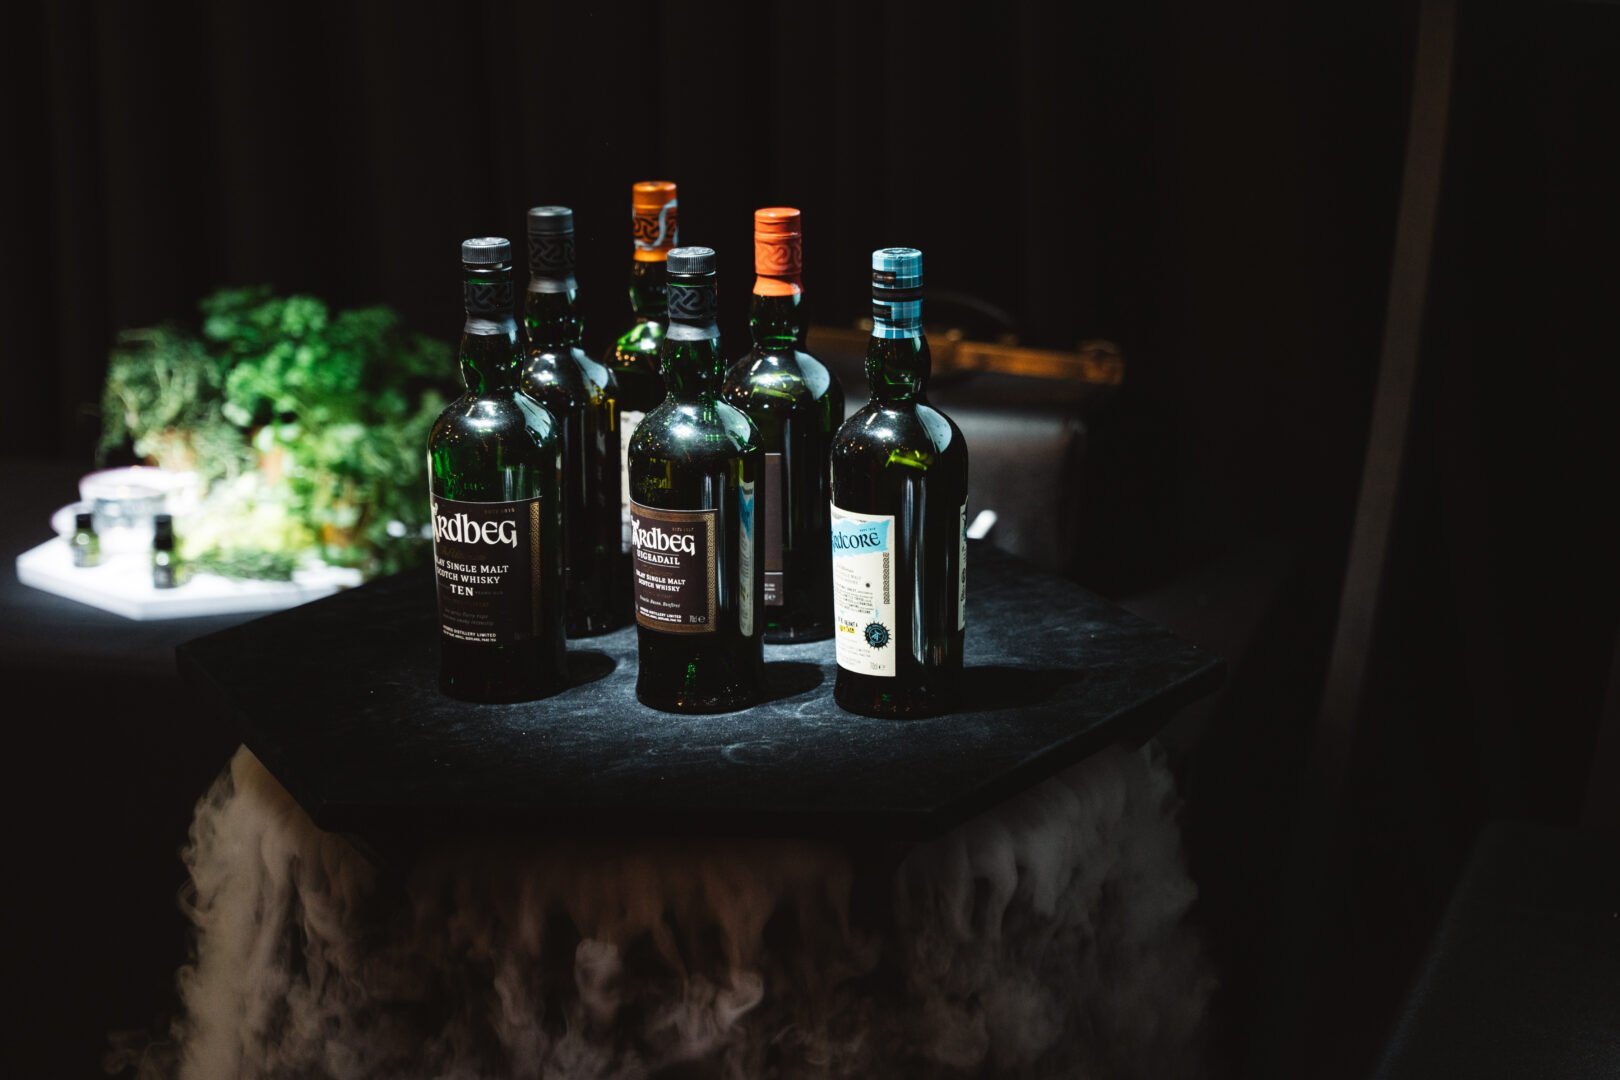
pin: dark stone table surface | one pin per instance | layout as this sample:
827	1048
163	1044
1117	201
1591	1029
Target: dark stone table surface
338	699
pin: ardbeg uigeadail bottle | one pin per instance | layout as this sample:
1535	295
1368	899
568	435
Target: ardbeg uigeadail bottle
695	466
899	519
797	405
494	459
580	394
636	355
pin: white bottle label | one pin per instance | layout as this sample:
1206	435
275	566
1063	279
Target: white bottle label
863	591
745	559
961	584
628	422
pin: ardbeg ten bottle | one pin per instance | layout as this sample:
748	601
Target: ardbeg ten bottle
579	393
635	356
899	519
494	458
694	477
797	405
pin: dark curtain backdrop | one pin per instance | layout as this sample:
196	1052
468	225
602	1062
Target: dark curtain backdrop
1214	190
1213	187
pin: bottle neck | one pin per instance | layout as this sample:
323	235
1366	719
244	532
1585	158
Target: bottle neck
490	352
897	368
775	318
649	291
693	366
551	314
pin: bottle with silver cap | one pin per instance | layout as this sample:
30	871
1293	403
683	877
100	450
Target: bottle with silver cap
580	394
494	466
694	479
899	519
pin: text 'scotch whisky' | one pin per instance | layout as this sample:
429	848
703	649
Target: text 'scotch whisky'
494	465
797	405
899	519
581	395
695	465
636	355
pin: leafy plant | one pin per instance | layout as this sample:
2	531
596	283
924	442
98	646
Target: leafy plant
332	409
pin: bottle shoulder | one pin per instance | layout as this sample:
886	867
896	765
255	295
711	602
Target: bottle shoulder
781	379
685	428
503	415
565	376
909	434
642	340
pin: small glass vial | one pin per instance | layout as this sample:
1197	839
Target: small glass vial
86	544
164	567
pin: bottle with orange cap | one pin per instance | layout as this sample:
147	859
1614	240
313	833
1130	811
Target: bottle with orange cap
634	358
797	404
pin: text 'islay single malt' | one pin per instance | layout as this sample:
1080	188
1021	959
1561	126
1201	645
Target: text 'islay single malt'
494	464
636	355
694	481
797	405
899	519
581	395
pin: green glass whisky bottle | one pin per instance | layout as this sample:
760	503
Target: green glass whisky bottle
494	465
580	394
695	466
797	405
899	519
636	354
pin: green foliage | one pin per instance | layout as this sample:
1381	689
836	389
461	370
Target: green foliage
333	408
254	563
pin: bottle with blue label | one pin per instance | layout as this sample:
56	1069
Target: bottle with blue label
899	518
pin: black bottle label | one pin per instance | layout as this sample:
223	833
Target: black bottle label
775	575
486	558
674	562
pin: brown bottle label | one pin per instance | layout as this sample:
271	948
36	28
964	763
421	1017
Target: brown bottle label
486	561
673	556
775	529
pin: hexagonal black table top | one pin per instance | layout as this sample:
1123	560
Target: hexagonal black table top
339	699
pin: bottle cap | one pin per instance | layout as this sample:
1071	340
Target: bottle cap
897	267
551	221
692	261
162	529
486	251
551	241
691	285
84	521
778	250
653	219
896	292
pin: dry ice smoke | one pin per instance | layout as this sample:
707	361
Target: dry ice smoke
1045	938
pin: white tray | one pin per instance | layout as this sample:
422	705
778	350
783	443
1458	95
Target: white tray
122	584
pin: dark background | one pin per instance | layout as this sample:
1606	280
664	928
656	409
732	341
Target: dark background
1213	187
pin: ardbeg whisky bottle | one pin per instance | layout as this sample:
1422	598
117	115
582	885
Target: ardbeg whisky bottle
694	477
494	459
899	519
797	405
635	356
580	394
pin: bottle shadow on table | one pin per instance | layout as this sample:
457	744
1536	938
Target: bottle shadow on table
789	678
587	666
1000	686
